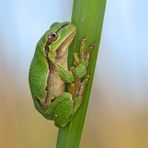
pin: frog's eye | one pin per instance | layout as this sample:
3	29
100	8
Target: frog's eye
52	36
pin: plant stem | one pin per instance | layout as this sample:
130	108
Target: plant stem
88	17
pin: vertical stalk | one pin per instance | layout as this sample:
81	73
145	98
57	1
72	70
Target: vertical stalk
88	17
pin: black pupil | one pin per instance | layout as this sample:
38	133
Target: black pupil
53	34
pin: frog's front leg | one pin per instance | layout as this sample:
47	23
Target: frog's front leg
77	88
78	71
67	76
81	64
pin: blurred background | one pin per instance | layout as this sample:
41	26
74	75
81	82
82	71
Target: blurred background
118	110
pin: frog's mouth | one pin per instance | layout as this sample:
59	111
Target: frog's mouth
62	49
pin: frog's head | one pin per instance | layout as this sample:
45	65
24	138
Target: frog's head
58	38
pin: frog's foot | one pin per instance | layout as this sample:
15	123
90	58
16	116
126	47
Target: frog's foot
44	105
83	56
82	86
77	88
74	87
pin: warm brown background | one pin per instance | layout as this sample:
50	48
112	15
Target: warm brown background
118	110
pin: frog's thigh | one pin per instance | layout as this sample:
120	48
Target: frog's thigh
64	111
49	112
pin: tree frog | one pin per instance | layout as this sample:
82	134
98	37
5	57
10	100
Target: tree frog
56	88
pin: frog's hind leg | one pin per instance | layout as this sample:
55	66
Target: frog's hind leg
77	87
83	85
76	84
64	110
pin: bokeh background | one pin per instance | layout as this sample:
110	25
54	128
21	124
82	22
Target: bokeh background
118	110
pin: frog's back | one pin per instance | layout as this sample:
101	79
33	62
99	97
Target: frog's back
38	72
